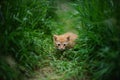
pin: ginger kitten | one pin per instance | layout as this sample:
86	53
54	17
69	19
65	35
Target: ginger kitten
64	41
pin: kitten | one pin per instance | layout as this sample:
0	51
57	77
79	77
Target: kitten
64	41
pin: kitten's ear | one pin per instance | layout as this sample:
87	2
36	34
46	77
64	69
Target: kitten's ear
68	38
55	37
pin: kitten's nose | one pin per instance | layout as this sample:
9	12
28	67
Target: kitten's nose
62	48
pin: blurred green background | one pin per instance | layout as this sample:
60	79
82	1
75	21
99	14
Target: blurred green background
26	46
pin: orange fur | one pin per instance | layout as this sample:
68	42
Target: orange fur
64	41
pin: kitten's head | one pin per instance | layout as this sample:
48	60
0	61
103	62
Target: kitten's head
61	42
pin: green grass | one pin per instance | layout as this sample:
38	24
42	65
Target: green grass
27	50
24	34
100	34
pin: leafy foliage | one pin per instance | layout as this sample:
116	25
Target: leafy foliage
24	27
27	27
99	32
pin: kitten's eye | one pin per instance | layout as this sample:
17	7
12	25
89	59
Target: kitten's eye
64	44
58	44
